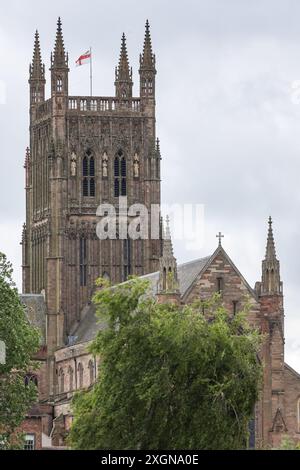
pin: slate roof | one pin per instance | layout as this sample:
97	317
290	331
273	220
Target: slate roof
187	273
88	327
36	311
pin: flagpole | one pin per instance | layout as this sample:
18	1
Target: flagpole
91	73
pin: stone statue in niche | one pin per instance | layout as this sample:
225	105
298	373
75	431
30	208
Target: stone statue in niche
105	165
136	166
73	164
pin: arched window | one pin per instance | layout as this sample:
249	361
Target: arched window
120	173
92	371
71	378
88	174
61	381
31	378
298	414
80	375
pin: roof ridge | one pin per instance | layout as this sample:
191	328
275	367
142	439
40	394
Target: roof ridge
194	261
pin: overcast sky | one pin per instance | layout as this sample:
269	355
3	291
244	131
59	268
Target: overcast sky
228	115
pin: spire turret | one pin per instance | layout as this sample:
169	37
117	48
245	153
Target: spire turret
123	73
168	279
59	65
37	68
147	58
271	283
147	67
270	249
37	73
59	58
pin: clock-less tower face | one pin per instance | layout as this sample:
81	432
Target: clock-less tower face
86	151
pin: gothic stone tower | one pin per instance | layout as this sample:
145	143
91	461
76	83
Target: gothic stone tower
86	151
271	410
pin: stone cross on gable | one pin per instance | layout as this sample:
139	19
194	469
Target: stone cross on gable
220	236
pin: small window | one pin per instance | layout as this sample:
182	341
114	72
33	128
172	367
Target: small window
220	285
61	378
234	306
31	378
80	375
71	376
59	85
29	443
298	414
92	371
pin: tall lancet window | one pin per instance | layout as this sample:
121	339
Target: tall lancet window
120	174
83	261
88	174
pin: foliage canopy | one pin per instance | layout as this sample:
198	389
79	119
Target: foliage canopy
171	377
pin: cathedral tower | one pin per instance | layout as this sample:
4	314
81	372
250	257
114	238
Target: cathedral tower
86	151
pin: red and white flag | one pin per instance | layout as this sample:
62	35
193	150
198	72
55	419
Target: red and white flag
84	58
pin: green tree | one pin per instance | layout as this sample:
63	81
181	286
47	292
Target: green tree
21	342
170	377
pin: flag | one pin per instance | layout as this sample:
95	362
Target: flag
84	58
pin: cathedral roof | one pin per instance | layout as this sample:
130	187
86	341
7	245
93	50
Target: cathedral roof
36	311
90	325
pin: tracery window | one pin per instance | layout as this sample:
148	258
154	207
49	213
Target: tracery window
88	174
120	174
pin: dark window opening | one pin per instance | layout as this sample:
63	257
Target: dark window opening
123	167
92	187
219	284
123	187
234	305
120	184
85	167
85	186
117	187
116	165
88	173
92	166
31	378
